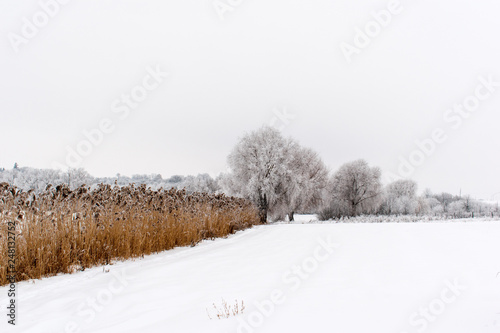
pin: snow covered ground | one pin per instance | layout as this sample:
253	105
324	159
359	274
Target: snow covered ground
383	277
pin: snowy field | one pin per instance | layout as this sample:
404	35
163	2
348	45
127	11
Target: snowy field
383	277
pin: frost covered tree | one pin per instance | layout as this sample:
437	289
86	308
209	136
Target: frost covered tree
33	179
28	178
401	197
276	173
445	199
358	186
77	177
438	209
468	204
175	179
200	183
260	163
428	204
301	188
403	188
457	208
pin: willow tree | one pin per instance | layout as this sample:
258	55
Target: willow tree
358	186
275	172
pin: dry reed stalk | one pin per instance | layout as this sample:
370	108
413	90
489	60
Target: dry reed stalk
61	231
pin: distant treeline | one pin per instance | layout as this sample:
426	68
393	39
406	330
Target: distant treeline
27	178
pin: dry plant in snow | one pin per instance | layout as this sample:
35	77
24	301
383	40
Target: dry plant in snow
226	310
63	231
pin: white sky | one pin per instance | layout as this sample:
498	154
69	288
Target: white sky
227	76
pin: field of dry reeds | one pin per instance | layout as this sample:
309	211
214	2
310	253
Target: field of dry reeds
62	231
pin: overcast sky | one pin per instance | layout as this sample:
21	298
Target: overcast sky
250	63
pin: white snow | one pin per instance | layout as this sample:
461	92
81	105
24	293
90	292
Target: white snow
303	218
374	281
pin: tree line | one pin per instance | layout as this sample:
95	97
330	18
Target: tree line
282	178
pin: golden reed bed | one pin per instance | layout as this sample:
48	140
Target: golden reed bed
62	231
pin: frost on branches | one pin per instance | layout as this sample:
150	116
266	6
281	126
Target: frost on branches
276	173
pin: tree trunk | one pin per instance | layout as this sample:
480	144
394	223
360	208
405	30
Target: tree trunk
290	216
353	210
263	206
